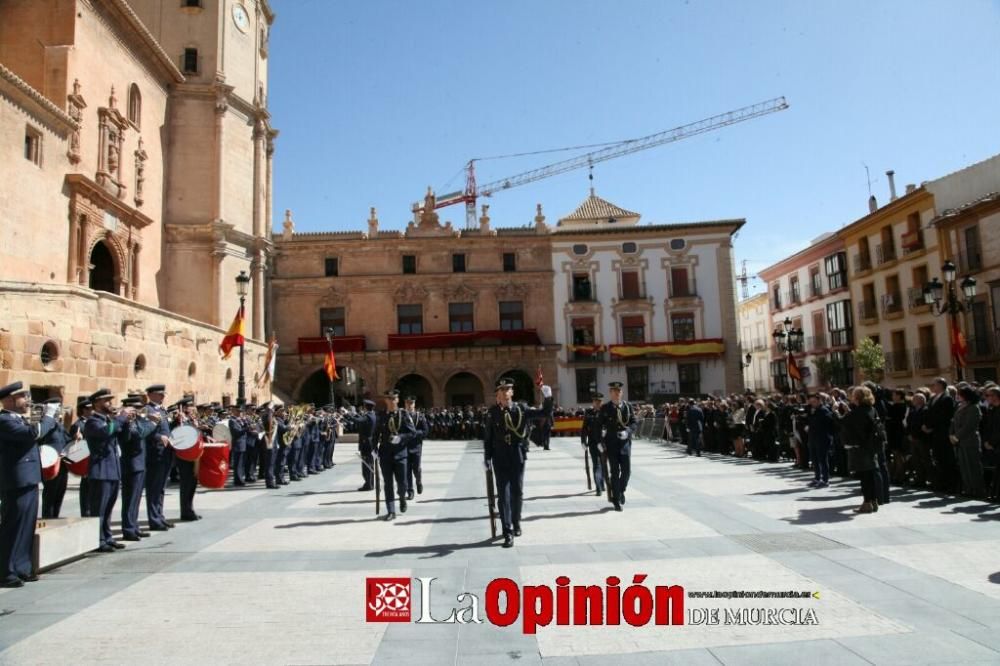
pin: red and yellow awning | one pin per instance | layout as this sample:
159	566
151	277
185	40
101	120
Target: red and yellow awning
707	347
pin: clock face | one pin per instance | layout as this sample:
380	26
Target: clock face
240	18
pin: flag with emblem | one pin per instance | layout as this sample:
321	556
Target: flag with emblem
539	380
958	347
330	365
234	336
270	361
793	369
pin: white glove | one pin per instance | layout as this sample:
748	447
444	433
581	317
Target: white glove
546	391
623	435
50	410
600	447
396	439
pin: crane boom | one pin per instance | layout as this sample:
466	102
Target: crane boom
473	191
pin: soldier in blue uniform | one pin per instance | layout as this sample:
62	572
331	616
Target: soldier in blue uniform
53	434
366	435
393	432
238	428
159	458
84	408
20	474
132	441
505	445
186	415
592	437
270	455
101	432
413	470
619	423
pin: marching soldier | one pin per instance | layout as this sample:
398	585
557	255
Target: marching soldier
505	446
618	420
366	437
53	434
185	468
413	471
84	408
20	474
101	432
238	428
132	441
393	433
592	437
159	458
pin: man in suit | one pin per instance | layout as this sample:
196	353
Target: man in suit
101	432
940	411
20	474
159	458
619	423
821	428
695	427
415	448
394	430
366	434
53	434
505	448
592	436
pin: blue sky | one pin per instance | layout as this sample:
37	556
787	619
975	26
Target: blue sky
377	99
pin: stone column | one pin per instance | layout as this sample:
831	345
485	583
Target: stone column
217	287
74	249
257	271
258	189
220	117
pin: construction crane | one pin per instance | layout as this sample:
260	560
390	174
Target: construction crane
744	281
473	191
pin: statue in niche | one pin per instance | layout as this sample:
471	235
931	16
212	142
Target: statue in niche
112	153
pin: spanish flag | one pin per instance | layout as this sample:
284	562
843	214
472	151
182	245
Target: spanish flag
958	346
330	365
234	336
793	368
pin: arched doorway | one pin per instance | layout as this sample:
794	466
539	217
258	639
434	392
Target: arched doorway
464	388
524	386
349	389
417	386
102	273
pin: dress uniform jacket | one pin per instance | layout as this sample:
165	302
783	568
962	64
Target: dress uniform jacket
390	424
101	433
51	432
615	420
20	463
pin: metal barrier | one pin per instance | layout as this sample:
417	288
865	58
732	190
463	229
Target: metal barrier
650	428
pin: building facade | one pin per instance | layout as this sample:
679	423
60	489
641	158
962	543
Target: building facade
93	124
436	312
652	306
755	339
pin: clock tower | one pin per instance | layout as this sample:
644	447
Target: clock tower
217	210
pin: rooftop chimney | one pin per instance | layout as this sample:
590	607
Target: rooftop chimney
910	187
872	204
892	184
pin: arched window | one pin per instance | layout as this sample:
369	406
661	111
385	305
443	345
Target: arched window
135	105
102	269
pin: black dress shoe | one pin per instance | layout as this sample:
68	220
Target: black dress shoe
30	578
402	505
390	516
191	517
598	492
508	541
282	482
517	530
117	546
143	533
618	507
364	488
623	498
296	478
106	549
168	524
17	582
239	483
158	528
130	537
271	485
420	488
409	494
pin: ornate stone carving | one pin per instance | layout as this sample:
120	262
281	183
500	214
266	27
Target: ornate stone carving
372	223
332	297
111	138
288	226
461	293
140	172
410	293
511	291
540	225
75	109
429	217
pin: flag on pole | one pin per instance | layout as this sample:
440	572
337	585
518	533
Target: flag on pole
958	346
234	336
270	361
539	380
793	368
330	365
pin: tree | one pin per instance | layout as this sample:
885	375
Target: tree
828	369
870	360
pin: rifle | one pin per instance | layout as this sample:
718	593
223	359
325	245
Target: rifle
586	465
378	481
491	496
607	474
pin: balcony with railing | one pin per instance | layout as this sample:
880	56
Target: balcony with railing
862	262
682	292
792	297
913	241
816	287
884	254
816	343
583	294
897	360
915	299
760	344
340	343
633	295
842	338
582	355
970	260
982	348
867	311
892	305
925	358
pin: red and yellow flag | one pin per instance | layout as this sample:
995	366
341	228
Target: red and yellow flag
793	368
958	346
539	379
330	365
234	336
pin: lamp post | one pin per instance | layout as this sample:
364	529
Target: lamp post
242	285
952	305
788	339
745	362
328	334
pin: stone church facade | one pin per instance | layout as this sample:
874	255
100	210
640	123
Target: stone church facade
135	185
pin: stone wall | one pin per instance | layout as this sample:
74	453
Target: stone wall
104	340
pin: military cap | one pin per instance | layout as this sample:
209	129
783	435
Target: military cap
53	401
84	402
132	402
101	394
156	388
597	396
615	385
368	403
504	383
12	389
411	398
185	401
391	393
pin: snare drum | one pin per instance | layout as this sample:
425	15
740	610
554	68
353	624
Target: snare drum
50	462
77	456
221	432
187	442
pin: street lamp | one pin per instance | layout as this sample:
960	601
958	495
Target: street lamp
788	339
952	305
242	286
328	334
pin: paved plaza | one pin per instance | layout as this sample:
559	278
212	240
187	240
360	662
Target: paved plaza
279	577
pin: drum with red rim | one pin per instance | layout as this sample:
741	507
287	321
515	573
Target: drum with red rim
213	468
77	456
187	442
50	462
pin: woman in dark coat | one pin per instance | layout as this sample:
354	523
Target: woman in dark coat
965	437
858	431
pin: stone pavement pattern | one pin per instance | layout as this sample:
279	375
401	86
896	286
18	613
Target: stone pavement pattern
278	577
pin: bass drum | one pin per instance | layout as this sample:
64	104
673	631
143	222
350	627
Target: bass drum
77	457
213	468
50	462
187	442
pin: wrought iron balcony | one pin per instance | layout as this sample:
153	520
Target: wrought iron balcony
897	361
862	262
867	311
925	358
